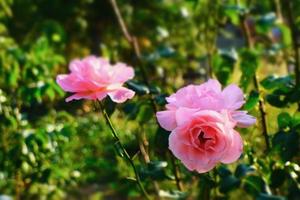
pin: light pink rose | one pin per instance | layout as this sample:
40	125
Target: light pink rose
207	96
95	78
204	138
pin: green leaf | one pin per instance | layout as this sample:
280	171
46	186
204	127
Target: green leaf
119	150
279	139
162	140
161	52
46	175
131	110
284	120
272	82
252	100
154	89
294	95
224	171
173	194
145	113
278	98
248	65
155	170
287	143
229	183
278	177
296	119
233	12
166	51
160	99
286	34
243	170
223	64
14	74
265	22
263	196
254	185
139	88
157	164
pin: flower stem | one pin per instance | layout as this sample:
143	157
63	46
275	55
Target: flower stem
296	46
250	45
124	152
132	40
176	173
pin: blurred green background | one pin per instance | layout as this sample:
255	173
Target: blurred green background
50	149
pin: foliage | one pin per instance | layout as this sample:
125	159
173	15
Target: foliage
53	150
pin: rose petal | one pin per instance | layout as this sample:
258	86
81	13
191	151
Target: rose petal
234	150
166	119
202	169
185	97
243	119
71	83
233	97
87	95
122	73
184	115
121	95
213	85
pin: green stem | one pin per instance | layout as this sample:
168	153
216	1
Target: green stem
250	45
296	46
176	173
126	155
132	40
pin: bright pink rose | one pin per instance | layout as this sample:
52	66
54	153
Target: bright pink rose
207	96
204	138
95	78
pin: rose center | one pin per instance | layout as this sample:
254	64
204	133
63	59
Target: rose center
203	139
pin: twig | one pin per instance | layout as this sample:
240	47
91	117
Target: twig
278	9
126	155
18	185
121	21
296	47
132	40
250	44
135	45
176	174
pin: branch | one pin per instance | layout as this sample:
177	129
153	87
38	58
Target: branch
121	21
127	157
296	47
250	44
135	45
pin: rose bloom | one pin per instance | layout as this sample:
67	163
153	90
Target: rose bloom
94	78
202	118
204	138
207	96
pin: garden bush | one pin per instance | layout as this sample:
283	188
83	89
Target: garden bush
146	75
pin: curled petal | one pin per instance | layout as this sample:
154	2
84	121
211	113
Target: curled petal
243	119
233	97
213	85
166	119
87	95
185	97
234	150
122	73
121	95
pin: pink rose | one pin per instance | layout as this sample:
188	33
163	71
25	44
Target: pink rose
207	96
204	138
95	78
